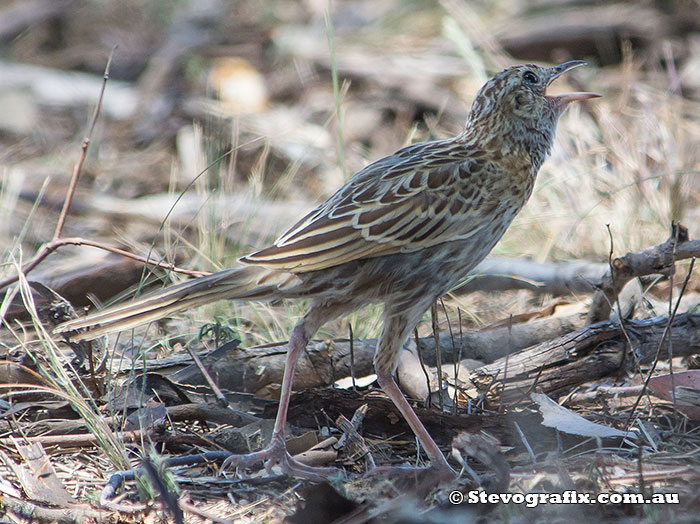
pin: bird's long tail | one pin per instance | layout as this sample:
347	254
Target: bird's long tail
248	282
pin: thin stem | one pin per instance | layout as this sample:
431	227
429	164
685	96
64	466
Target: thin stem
83	151
52	246
47	249
664	336
336	91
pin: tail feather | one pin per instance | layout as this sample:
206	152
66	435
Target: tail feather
237	283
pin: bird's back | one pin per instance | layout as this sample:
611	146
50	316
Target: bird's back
422	196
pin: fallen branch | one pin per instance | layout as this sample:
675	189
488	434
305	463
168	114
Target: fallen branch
38	513
587	354
654	260
556	278
52	246
326	361
67	429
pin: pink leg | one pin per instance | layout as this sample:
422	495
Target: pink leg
437	460
398	324
276	451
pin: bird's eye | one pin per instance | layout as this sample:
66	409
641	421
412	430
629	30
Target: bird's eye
530	77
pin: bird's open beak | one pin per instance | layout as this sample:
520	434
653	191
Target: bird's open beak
564	99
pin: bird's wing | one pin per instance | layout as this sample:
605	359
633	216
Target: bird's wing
418	197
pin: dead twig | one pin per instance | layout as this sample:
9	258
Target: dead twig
438	353
350	432
56	240
52	246
419	352
657	259
220	397
47	249
620	316
352	356
83	152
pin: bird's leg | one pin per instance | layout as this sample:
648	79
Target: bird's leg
437	459
396	328
276	451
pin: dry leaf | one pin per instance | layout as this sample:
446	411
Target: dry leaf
566	421
687	386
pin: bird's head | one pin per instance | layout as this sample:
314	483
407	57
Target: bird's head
513	105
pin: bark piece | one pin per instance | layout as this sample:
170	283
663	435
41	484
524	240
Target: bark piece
38	478
681	388
562	419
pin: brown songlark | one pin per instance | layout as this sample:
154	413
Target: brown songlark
401	232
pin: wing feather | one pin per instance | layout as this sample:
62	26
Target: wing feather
419	197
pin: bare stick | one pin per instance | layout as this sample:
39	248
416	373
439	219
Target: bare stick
501	407
352	356
670	309
49	248
657	259
620	320
83	151
52	246
419	350
454	350
220	397
57	241
438	354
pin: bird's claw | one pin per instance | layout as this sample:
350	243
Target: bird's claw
276	454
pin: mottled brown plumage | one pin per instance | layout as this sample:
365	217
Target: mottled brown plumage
402	232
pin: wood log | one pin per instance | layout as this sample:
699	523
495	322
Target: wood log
556	278
587	31
589	353
257	369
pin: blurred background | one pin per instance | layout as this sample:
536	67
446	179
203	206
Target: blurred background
224	121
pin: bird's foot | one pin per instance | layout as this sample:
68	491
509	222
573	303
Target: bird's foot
276	454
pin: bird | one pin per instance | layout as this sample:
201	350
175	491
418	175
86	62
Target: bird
401	232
